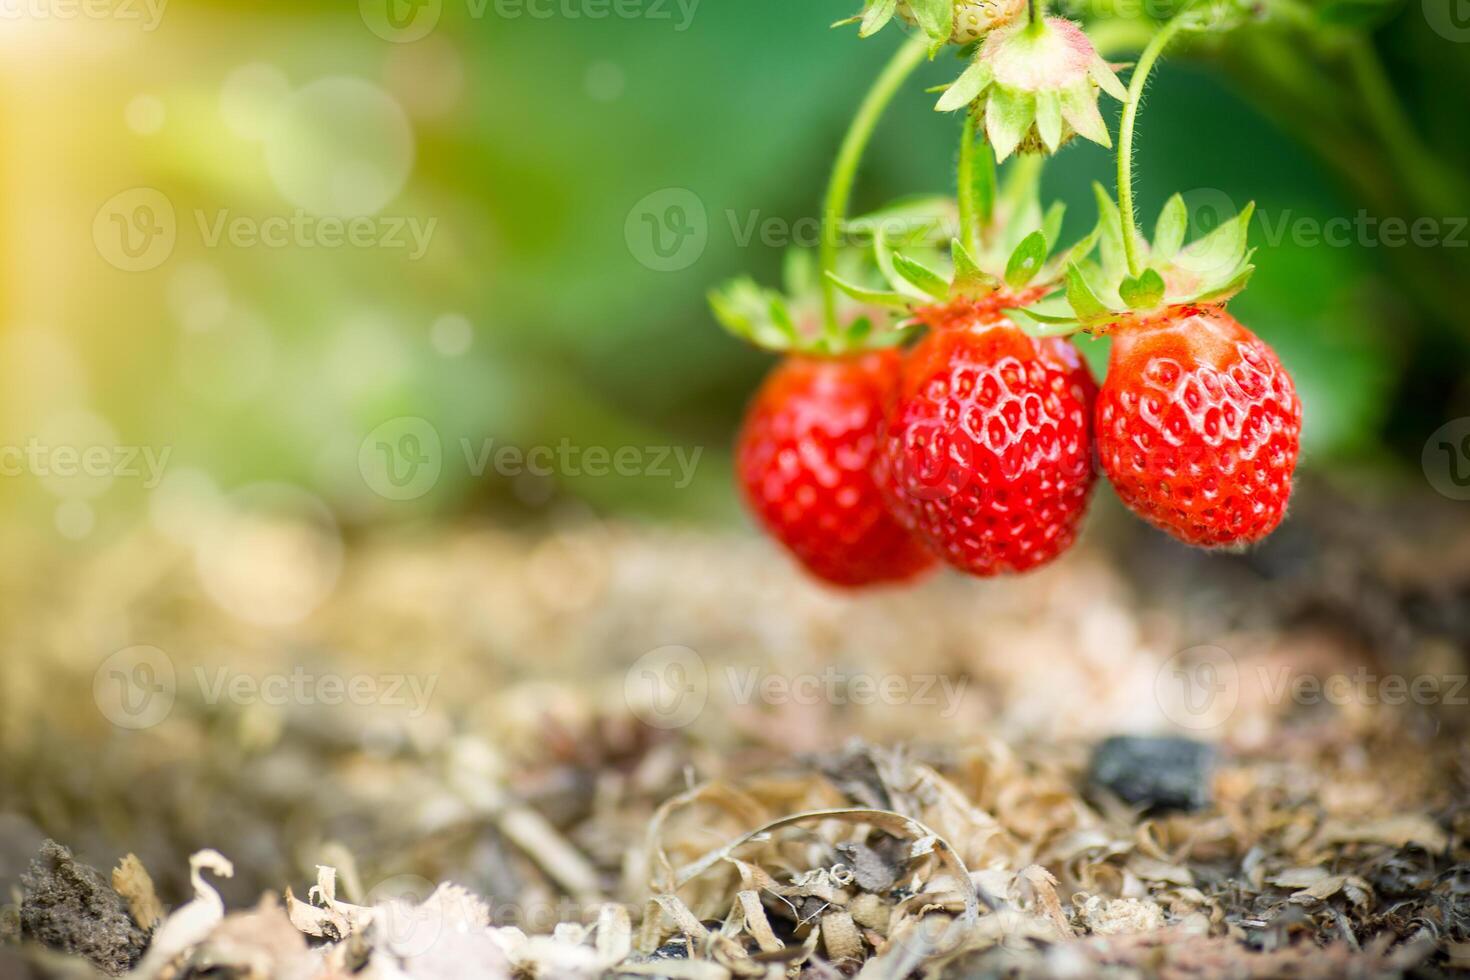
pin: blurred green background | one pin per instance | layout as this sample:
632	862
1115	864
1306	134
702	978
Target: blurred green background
525	139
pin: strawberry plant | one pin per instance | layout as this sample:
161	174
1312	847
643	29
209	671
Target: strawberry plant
932	406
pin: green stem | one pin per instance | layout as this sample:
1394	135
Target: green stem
969	212
1125	138
844	169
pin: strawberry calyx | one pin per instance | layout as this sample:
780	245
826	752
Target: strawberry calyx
1103	293
934	277
793	321
1035	86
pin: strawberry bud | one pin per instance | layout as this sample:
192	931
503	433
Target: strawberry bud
973	19
1035	85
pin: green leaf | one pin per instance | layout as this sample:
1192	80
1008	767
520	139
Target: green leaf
876	16
863	294
1143	293
921	276
966	88
1026	260
1082	299
1169	232
858	331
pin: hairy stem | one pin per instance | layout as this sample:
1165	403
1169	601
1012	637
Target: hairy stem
844	169
1125	138
969	213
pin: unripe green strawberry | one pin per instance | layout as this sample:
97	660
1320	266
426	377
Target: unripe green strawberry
1035	86
973	19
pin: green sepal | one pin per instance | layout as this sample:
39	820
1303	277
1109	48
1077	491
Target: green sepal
1082	298
967	88
754	314
969	279
1169	232
1026	261
887	261
1144	292
1008	115
921	276
876	16
936	19
862	294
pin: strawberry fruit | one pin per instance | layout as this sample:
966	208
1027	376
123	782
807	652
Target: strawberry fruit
805	459
1199	426
988	453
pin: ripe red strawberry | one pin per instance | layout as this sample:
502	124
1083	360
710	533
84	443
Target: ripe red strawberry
1199	426
805	462
988	452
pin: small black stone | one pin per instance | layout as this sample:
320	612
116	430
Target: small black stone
1155	773
69	907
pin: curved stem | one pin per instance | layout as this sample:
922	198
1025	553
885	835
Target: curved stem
844	169
969	212
1125	138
